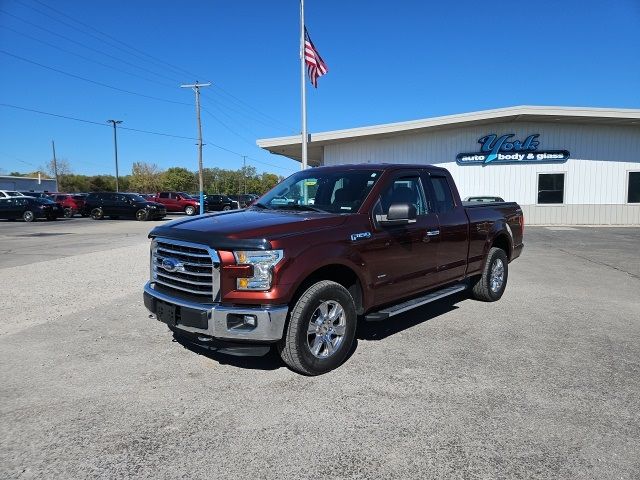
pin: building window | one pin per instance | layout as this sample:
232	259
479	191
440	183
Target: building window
551	188
633	190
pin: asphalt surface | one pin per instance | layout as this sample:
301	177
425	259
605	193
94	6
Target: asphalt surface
542	384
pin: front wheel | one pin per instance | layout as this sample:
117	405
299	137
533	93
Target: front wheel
28	216
321	329
490	286
97	214
68	212
141	215
226	208
190	210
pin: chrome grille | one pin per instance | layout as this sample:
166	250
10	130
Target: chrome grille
185	269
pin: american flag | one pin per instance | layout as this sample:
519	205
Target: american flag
315	65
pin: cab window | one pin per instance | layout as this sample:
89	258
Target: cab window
404	190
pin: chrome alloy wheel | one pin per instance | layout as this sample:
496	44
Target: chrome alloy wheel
496	278
326	329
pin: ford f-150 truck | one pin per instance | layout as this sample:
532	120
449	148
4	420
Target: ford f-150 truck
178	202
323	249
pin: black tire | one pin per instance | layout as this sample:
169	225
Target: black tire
141	215
487	288
28	216
68	212
295	348
97	214
190	210
226	208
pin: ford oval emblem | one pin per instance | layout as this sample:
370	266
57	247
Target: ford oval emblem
170	264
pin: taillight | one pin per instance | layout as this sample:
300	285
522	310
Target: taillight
522	223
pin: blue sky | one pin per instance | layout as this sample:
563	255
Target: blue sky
388	62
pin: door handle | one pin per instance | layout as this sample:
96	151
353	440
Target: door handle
433	233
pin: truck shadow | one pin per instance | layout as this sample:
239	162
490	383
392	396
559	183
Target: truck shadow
367	331
269	361
381	330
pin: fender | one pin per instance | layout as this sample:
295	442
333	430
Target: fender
335	254
500	228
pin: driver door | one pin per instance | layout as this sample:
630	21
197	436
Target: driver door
402	259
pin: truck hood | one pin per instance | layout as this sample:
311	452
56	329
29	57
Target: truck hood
250	228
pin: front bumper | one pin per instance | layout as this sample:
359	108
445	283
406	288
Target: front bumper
212	319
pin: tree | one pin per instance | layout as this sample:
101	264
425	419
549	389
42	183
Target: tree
145	177
63	165
178	178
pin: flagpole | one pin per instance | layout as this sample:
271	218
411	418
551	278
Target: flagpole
303	92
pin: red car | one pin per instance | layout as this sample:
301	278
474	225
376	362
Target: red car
178	202
71	203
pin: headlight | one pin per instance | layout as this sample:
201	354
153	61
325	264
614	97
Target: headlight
263	262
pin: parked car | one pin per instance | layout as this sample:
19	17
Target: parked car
244	200
219	203
484	199
178	202
71	203
10	193
35	194
115	205
29	208
378	240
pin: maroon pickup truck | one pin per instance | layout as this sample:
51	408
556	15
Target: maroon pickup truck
178	202
324	248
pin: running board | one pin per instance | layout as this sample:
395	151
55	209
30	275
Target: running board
413	303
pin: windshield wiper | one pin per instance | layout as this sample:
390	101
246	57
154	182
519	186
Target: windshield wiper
261	205
308	208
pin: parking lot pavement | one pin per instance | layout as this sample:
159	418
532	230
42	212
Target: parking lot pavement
542	384
23	243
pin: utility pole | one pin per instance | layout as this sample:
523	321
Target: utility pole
244	172
196	88
115	146
55	164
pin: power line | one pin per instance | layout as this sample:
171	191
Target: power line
102	124
155	59
181	71
86	58
91	122
86	46
92	81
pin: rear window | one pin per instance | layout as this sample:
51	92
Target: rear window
443	198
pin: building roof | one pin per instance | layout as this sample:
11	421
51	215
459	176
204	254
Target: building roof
291	146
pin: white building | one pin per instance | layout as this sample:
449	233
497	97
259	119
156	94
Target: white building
28	184
563	165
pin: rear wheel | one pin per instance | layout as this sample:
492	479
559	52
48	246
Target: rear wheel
141	215
226	207
321	329
490	286
68	212
190	210
28	216
97	214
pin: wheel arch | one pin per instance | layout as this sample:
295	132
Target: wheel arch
337	272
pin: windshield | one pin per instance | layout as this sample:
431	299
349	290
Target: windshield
44	201
322	190
135	197
185	195
15	194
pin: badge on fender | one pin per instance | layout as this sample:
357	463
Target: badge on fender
359	236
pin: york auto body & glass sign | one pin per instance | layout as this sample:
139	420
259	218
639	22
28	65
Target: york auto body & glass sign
506	149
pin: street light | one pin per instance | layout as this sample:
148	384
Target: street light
115	146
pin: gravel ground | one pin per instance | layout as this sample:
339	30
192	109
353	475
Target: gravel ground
543	384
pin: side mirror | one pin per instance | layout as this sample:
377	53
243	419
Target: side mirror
399	214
